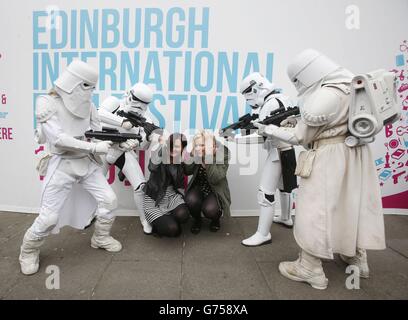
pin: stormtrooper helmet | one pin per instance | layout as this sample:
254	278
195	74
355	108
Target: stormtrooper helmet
255	87
139	97
75	86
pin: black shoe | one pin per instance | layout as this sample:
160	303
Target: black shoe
215	225
154	232
196	227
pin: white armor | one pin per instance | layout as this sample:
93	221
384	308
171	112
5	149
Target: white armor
317	110
310	72
71	167
264	98
72	127
271	104
324	90
255	88
137	100
309	67
107	112
75	86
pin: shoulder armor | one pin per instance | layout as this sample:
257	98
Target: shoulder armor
45	108
320	108
343	87
110	104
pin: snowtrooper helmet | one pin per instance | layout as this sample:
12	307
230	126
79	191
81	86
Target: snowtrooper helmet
309	67
75	86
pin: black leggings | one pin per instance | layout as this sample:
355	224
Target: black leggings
170	225
197	203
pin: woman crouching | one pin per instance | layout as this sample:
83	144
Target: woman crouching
164	204
208	191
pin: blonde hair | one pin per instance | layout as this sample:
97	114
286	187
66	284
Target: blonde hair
53	92
203	134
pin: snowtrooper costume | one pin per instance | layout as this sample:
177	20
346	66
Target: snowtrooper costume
338	205
136	99
278	172
72	165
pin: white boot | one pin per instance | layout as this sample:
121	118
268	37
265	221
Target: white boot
30	253
306	268
101	237
139	198
285	217
147	227
359	260
263	234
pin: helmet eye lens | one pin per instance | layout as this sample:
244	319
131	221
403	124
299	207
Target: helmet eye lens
87	86
249	89
134	98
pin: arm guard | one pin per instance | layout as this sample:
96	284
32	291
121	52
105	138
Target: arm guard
110	118
284	134
69	143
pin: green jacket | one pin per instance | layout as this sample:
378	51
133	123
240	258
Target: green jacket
217	178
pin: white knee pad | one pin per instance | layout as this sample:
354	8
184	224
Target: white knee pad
109	204
265	200
44	223
113	155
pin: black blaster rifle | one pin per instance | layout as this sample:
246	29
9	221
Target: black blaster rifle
138	121
278	115
110	134
244	123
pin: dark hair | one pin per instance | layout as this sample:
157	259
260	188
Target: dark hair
176	136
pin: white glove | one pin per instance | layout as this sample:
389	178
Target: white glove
129	145
289	122
265	130
102	147
284	134
126	125
162	140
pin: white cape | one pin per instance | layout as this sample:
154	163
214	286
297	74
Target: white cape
78	208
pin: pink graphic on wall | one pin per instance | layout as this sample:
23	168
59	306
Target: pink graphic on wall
392	167
399	200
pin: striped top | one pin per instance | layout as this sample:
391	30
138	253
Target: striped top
170	201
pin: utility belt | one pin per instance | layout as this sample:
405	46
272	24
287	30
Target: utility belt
306	158
326	141
285	149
